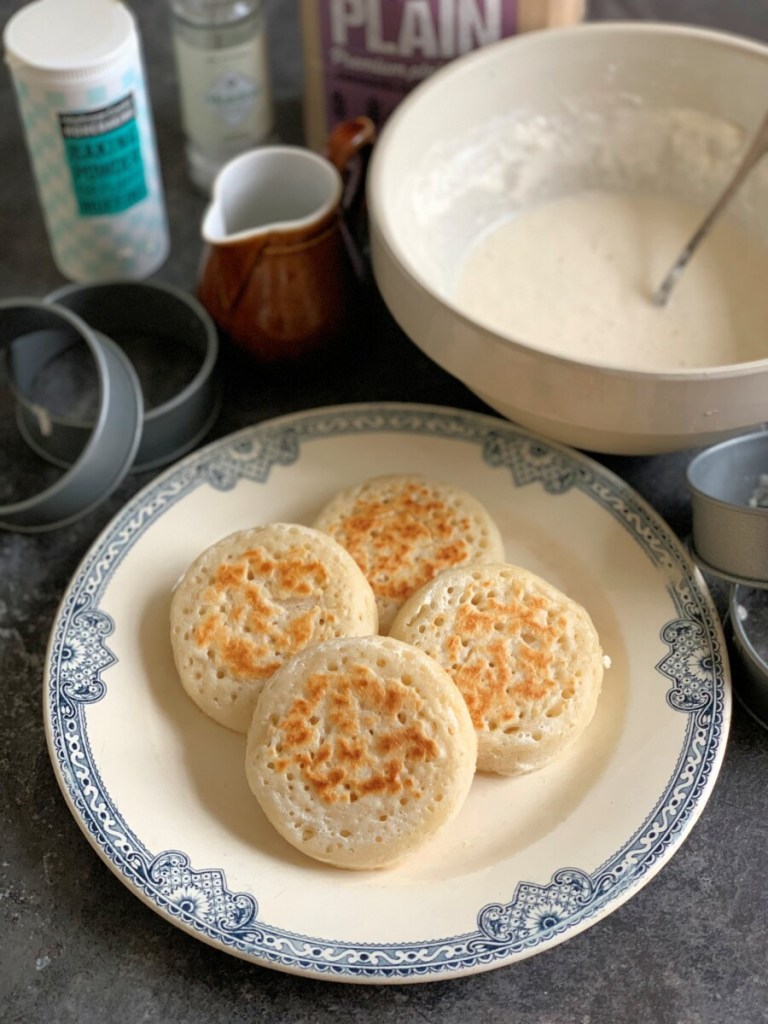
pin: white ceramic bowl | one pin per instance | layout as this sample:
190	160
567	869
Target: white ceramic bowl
665	108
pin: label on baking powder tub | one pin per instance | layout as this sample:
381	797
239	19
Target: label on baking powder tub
103	150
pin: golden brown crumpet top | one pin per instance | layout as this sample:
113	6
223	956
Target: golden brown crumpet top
245	618
371	733
251	601
403	530
525	656
359	750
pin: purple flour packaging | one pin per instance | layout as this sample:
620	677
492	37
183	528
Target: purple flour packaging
363	56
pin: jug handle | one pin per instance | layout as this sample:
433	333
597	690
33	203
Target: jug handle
349	147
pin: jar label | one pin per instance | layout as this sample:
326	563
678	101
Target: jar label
225	98
103	150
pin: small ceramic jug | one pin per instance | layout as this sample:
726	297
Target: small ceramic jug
279	267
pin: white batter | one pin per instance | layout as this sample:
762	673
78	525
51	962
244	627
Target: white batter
575	276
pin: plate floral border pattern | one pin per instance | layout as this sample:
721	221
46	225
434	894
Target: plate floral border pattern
536	916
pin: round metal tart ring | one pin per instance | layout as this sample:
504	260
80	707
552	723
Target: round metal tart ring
752	688
114	309
729	523
114	436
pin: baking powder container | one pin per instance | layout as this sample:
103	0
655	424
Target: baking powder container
729	502
79	79
114	436
171	322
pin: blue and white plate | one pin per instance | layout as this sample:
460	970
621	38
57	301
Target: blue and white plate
160	790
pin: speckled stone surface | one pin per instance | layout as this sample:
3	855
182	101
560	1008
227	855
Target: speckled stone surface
76	946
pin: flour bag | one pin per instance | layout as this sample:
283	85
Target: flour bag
362	56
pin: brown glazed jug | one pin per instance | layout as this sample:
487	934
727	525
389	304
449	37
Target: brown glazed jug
280	266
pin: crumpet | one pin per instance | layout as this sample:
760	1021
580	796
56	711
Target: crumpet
360	750
525	656
403	530
251	601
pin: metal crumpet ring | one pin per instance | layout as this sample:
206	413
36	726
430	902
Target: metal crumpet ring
173	322
748	620
729	493
114	435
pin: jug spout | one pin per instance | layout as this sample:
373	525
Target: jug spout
213	229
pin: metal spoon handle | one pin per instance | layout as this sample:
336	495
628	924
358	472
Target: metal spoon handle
757	149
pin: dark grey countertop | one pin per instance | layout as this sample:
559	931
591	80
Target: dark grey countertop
75	945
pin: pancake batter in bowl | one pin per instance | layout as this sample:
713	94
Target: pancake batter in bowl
575	276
